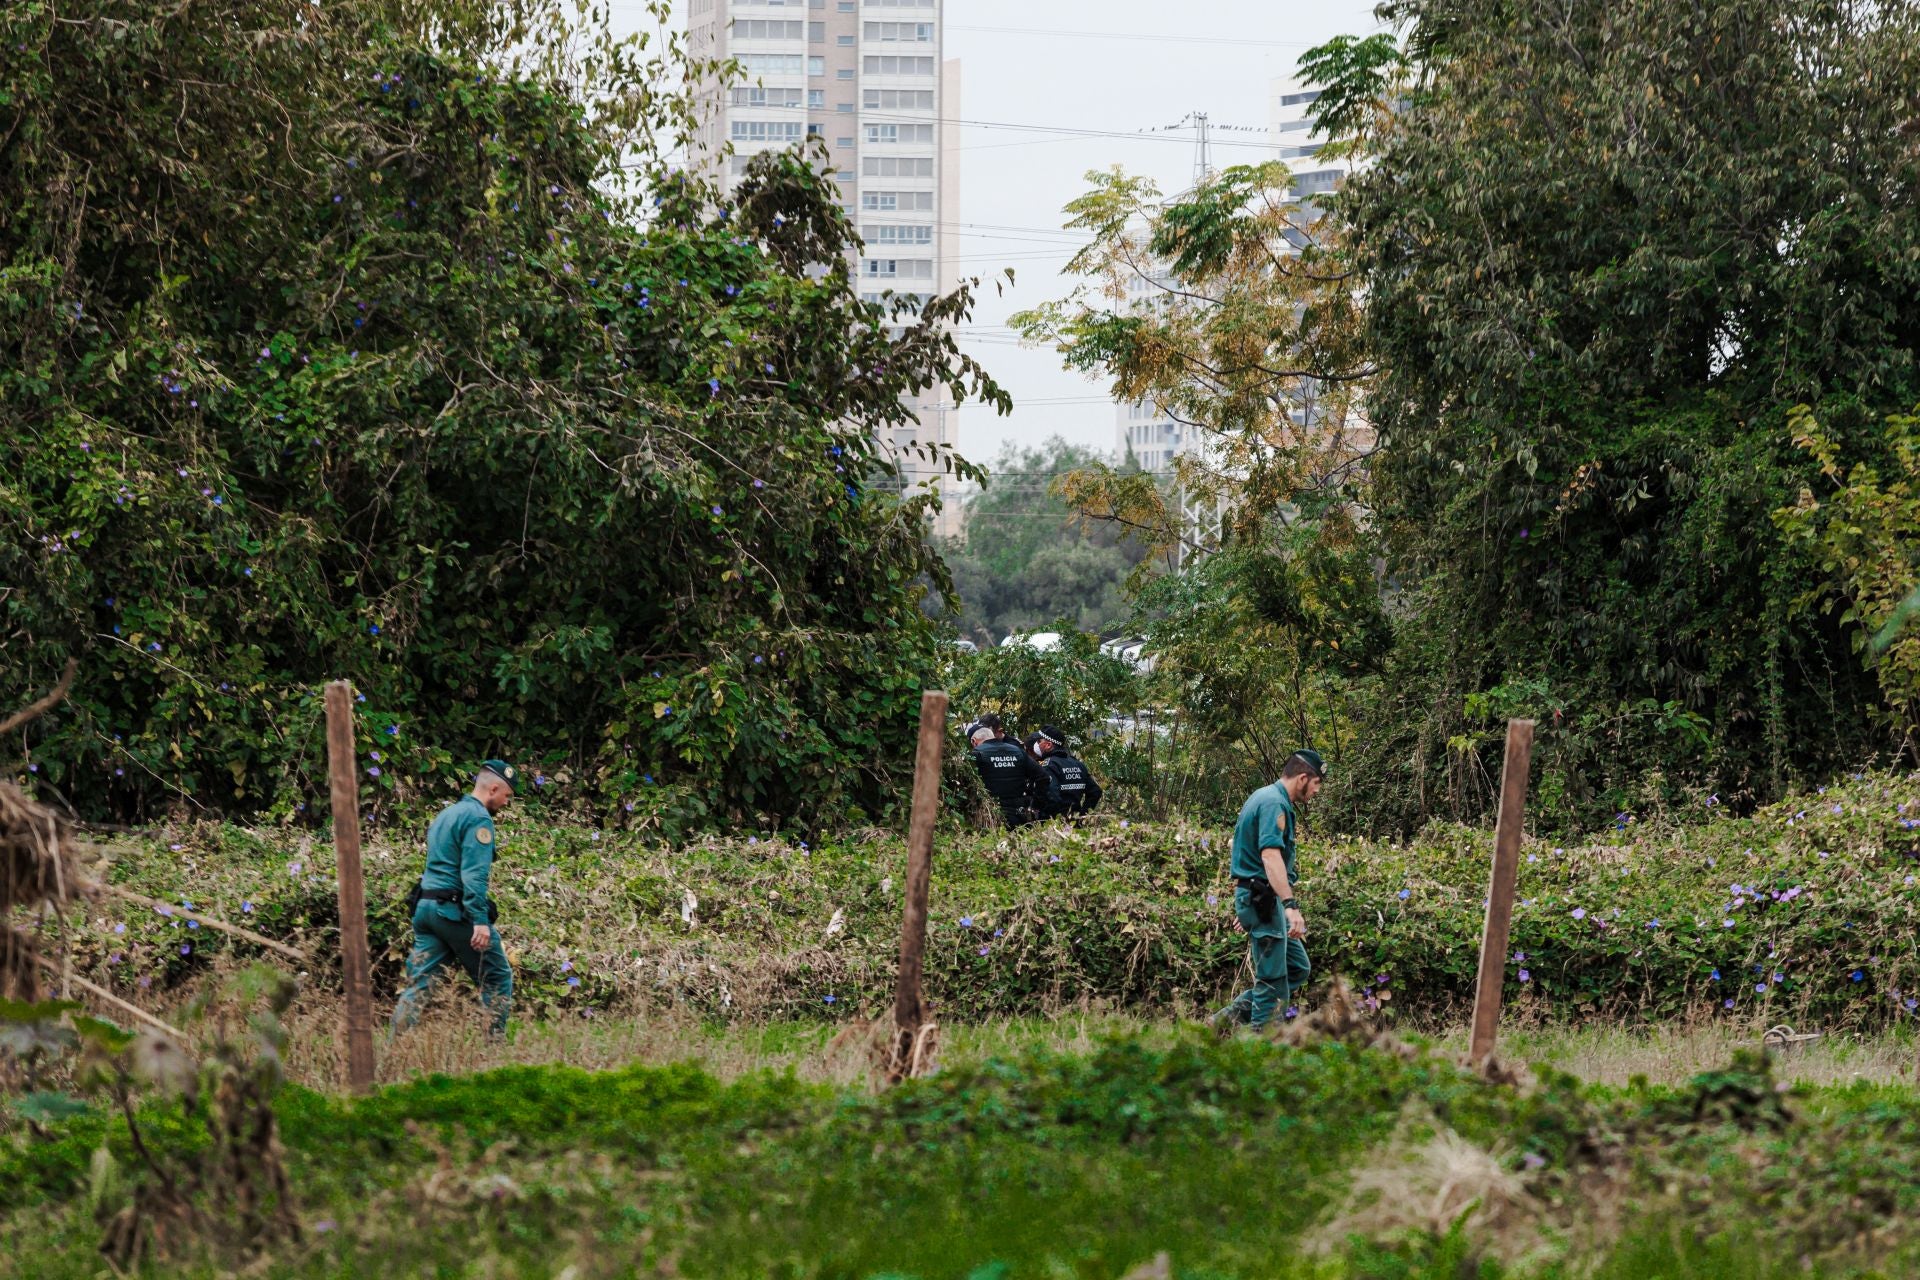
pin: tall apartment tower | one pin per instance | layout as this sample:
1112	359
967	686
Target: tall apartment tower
867	77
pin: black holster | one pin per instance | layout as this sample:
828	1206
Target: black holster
419	895
1260	896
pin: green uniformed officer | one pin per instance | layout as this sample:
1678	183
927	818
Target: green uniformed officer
453	916
1264	872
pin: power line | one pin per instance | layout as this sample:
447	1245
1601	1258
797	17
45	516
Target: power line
1131	35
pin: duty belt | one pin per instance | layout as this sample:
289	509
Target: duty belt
440	895
1254	883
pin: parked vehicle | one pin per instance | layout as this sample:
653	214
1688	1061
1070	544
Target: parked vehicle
1044	641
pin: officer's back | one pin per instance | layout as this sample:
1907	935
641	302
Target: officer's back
1073	789
1010	775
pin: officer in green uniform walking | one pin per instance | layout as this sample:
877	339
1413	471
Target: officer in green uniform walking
452	915
1264	870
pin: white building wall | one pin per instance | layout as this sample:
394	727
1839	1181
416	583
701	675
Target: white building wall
870	79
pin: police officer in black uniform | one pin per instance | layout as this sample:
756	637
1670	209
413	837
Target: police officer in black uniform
1022	788
1074	789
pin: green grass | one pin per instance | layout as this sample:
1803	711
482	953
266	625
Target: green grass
1236	1159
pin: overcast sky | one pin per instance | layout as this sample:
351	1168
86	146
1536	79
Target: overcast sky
1110	67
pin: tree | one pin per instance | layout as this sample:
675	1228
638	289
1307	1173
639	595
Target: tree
1603	246
1028	560
379	340
1247	337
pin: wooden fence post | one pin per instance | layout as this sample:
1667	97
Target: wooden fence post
912	1044
355	969
1506	870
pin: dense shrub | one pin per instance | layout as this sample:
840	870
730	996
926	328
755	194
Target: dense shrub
1814	900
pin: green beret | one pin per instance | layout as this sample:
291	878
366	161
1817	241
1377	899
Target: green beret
1313	760
503	771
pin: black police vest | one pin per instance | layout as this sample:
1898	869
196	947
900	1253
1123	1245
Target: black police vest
1006	770
1076	791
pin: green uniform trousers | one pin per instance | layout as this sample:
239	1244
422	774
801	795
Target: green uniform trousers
436	939
1280	966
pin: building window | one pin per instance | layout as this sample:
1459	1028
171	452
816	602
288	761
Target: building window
815	130
843	106
889	201
816	66
762	29
1308	184
897	268
816	33
885	234
846	6
897	99
897	166
815	97
845	42
899	32
844	73
899	133
844	175
843	142
772	64
766	131
892	66
1296	99
757	97
900	4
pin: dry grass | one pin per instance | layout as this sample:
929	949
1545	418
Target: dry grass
1614	1055
451	1039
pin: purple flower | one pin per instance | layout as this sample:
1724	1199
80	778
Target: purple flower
373	771
984	949
573	982
1579	913
246	908
966	922
566	966
1714	976
828	999
119	928
1525	976
1760	988
186	948
1857	975
1729	1003
1404	894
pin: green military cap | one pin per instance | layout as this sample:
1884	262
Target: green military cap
503	771
1312	760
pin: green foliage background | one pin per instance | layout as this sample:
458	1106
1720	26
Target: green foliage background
1606	246
325	356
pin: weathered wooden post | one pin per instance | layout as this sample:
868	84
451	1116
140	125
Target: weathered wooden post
1506	870
912	1043
355	969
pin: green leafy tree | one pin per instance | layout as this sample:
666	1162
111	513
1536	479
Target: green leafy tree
379	340
1028	558
1866	535
1602	246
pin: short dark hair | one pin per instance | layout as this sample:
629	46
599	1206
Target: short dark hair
1298	764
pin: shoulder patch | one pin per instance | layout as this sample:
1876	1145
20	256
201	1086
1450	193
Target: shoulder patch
484	835
1280	821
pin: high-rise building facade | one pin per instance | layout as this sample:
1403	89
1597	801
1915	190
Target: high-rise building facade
869	79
